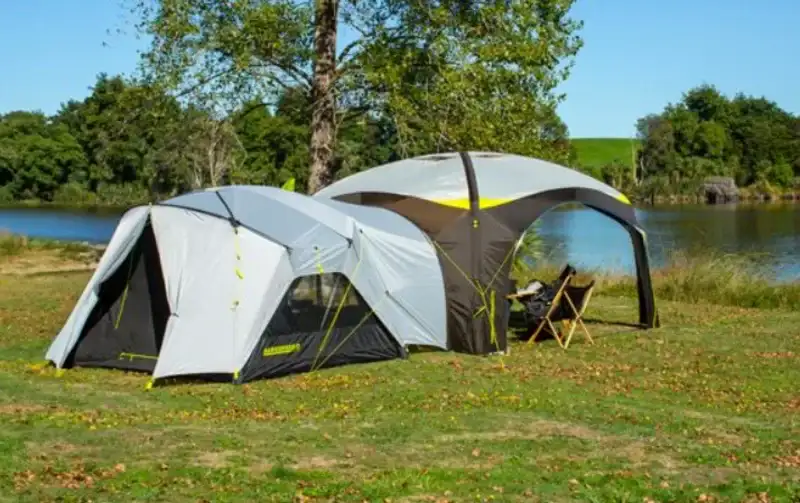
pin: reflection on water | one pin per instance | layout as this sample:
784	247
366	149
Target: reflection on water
769	232
581	236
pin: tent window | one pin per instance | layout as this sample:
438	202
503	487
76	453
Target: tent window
318	302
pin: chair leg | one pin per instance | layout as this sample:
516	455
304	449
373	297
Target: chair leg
579	318
585	330
556	333
536	332
570	333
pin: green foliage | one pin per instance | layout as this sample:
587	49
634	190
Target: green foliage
419	78
529	250
598	152
474	75
36	155
708	134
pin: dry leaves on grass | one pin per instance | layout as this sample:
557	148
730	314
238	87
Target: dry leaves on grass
76	478
791	461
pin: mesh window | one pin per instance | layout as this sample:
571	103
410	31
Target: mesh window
322	321
312	302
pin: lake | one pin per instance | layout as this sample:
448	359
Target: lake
581	236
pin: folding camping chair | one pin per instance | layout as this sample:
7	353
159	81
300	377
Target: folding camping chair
569	313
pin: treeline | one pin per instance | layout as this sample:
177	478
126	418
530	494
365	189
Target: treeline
749	139
126	144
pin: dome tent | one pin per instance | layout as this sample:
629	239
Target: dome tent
247	282
475	206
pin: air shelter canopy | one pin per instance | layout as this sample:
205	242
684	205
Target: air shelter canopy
246	282
475	206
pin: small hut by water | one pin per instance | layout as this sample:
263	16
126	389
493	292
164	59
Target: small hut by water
720	190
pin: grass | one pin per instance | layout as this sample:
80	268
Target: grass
24	255
597	152
704	409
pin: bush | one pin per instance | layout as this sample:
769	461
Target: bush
74	194
6	195
122	195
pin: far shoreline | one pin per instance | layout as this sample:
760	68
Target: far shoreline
748	199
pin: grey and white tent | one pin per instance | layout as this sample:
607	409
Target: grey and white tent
246	282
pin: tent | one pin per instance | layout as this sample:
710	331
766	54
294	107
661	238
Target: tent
475	206
247	282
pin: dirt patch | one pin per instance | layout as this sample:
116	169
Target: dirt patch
315	463
48	261
260	467
705	475
214	459
50	449
639	456
532	430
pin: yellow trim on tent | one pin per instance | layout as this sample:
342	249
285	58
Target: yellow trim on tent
486	202
289	185
463	203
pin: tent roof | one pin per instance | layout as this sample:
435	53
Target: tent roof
288	217
500	178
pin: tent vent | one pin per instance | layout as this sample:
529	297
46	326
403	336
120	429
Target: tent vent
436	157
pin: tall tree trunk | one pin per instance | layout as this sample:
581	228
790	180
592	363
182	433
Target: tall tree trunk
322	97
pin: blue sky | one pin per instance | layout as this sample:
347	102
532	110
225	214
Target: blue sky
638	56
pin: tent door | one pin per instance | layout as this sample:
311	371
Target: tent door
126	326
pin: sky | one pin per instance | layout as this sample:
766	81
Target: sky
638	55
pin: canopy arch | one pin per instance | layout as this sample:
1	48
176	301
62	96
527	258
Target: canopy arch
522	213
475	206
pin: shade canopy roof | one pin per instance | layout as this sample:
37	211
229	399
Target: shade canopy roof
441	178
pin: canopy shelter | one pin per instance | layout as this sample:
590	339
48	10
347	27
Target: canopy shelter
246	282
475	206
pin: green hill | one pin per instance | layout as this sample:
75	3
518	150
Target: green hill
596	152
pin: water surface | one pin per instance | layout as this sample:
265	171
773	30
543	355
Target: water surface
581	236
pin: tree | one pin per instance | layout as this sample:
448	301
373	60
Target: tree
276	146
449	74
213	150
707	134
130	135
36	155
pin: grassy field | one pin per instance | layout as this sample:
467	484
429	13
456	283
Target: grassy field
596	152
706	408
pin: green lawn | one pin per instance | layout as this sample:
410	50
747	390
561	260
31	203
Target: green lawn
596	152
705	409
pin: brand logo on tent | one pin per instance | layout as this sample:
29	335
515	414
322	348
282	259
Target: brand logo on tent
284	349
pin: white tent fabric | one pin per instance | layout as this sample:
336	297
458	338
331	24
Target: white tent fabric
440	178
229	255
